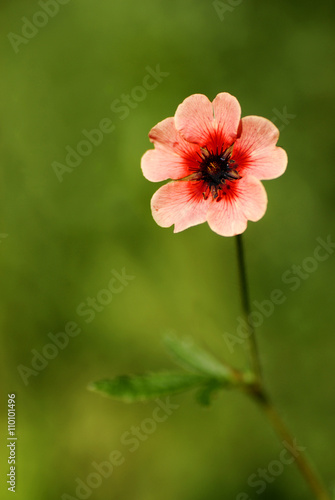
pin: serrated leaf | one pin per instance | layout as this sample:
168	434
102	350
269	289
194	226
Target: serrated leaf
191	356
129	388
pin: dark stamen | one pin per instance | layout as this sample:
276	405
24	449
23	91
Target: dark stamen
215	170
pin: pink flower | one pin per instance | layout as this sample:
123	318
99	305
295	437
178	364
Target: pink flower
215	160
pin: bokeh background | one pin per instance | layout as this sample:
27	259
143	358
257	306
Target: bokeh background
61	240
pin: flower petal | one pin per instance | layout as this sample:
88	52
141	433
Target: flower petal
227	113
164	134
180	203
159	165
194	119
255	150
247	201
172	158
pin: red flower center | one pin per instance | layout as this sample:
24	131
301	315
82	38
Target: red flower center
215	170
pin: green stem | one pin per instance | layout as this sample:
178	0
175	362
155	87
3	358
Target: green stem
310	475
254	357
256	388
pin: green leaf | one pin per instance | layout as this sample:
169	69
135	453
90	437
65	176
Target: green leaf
129	388
190	356
207	392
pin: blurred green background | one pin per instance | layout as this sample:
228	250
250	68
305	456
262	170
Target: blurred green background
61	240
